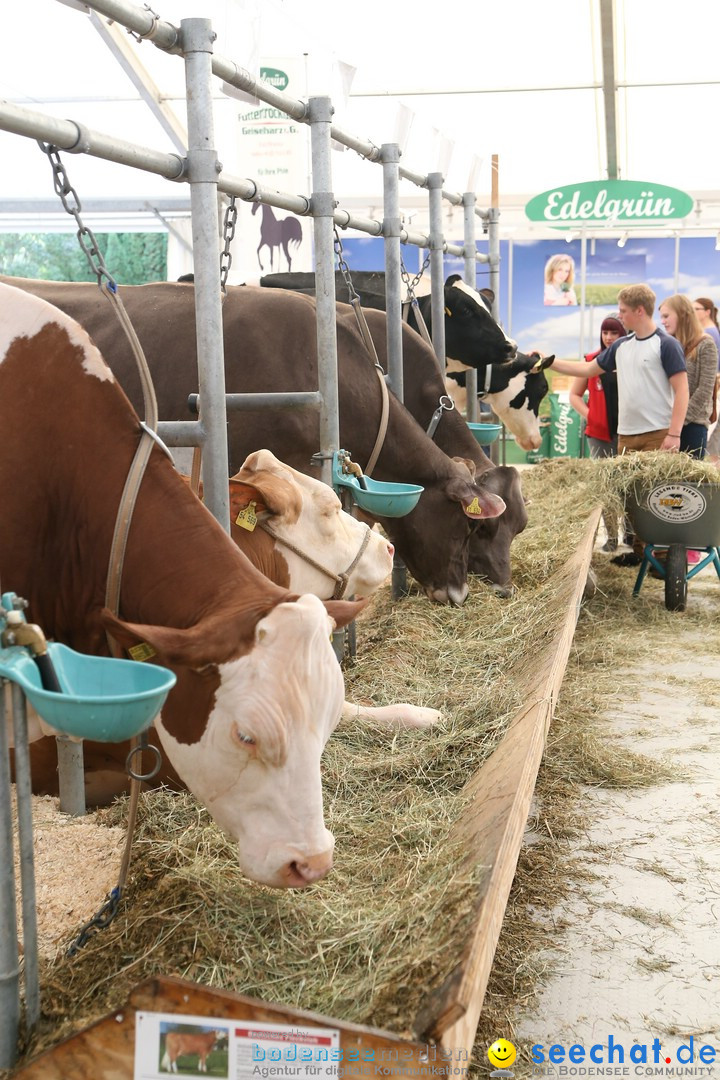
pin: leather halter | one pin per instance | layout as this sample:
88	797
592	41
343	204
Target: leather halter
341	580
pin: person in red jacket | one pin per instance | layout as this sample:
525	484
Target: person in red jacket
600	411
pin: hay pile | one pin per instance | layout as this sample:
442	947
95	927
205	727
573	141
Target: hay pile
386	927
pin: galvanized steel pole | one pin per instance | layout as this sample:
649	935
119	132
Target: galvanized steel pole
437	270
494	256
9	958
203	169
23	796
71	776
470	278
390	156
390	153
322	205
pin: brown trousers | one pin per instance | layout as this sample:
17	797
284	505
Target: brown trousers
647	440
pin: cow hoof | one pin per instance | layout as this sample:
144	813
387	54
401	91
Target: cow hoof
504	592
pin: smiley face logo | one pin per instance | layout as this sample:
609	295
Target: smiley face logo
501	1054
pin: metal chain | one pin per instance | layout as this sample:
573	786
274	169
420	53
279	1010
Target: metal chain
99	921
343	266
229	223
405	275
71	203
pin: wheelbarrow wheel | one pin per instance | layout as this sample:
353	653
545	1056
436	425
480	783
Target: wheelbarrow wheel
675	578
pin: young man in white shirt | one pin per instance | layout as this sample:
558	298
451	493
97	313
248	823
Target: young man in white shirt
652	376
652	379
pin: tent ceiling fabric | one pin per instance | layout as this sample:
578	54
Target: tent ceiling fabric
523	80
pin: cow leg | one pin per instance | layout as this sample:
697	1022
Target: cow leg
400	715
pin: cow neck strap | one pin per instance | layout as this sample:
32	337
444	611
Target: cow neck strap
421	324
341	580
137	468
119	544
370	346
488	380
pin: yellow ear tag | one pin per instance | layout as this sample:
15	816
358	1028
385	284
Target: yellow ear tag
247	518
474	507
141	652
448	312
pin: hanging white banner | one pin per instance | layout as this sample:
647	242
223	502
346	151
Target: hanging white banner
274	150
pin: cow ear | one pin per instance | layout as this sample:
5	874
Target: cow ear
278	496
452	279
194	647
547	361
477	502
469	465
241	495
344	611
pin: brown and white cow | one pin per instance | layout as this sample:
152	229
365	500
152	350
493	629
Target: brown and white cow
294	530
271	344
189	1044
258	689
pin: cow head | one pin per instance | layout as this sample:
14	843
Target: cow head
471	334
306	514
514	390
475	503
490	542
250	753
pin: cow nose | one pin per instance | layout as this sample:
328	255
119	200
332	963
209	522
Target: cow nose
304	871
391	549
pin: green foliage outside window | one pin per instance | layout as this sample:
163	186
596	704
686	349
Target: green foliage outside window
132	258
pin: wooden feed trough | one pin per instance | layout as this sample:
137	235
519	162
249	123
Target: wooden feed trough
491	830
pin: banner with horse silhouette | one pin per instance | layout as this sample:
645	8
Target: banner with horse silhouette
276	149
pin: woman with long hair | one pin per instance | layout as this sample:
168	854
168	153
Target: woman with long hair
707	313
679	319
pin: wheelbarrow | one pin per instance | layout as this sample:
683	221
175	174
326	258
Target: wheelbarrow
672	518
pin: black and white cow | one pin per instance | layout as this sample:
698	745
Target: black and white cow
513	387
511	382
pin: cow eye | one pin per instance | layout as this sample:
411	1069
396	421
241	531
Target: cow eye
245	740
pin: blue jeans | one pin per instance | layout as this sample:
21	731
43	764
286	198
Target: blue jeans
693	439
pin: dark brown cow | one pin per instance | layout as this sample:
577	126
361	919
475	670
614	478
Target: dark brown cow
258	686
270	344
489	551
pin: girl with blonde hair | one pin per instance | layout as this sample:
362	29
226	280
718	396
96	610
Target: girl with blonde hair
680	320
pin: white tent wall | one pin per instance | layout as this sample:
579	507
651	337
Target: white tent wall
520	80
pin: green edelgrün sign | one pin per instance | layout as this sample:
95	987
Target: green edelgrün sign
274	77
609	202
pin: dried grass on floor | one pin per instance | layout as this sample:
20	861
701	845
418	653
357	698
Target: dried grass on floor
615	632
372	940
